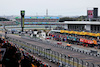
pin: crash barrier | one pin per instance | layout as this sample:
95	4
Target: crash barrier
55	57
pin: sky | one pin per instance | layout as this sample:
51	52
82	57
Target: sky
55	7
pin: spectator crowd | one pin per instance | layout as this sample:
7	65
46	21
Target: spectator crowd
16	57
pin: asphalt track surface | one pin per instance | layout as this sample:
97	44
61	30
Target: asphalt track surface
45	60
84	57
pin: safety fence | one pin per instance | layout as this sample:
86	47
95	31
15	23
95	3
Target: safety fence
87	52
53	56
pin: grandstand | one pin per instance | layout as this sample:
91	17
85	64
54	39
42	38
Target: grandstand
7	23
39	19
39	22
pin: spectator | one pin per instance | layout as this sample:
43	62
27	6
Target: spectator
9	59
25	62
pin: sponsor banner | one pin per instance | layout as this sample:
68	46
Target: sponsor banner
98	34
47	17
54	17
93	34
86	41
90	13
62	31
80	33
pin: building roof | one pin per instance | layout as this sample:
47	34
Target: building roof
82	22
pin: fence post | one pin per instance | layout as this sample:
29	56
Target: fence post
93	65
73	61
87	64
43	52
55	55
98	65
46	53
58	56
38	50
61	57
82	63
51	55
77	62
33	49
68	59
65	59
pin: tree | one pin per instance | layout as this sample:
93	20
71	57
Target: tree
80	18
4	19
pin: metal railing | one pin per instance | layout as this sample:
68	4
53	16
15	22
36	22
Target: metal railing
88	52
53	56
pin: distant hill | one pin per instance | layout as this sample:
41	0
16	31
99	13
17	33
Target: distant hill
4	19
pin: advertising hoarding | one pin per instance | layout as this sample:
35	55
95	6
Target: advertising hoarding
90	13
86	41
